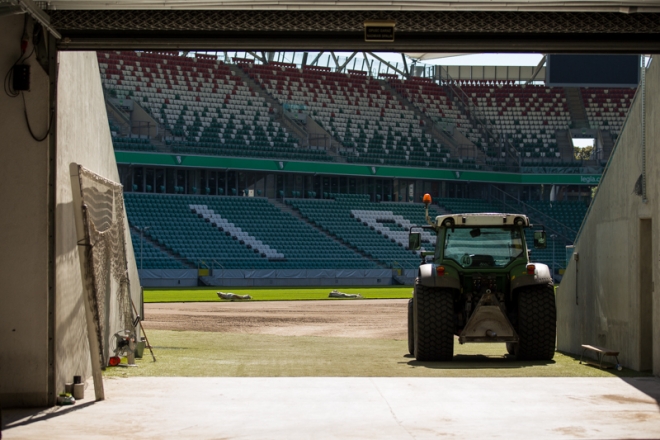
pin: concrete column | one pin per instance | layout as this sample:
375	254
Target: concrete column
24	360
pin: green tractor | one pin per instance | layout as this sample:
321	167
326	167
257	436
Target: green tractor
481	287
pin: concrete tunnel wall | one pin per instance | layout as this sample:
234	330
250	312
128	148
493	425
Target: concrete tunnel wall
27	379
24	373
606	297
83	137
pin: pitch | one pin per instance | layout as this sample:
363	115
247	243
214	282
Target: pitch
208	294
330	338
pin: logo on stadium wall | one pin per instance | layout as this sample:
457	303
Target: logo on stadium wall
590	179
178	160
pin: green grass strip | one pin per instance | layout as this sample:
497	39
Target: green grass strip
208	354
208	294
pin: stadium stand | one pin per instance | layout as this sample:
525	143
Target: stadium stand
230	232
148	256
561	217
432	99
186	226
461	205
206	108
526	115
133	144
565	217
607	108
372	228
371	124
115	129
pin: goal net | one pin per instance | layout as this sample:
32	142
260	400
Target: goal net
105	266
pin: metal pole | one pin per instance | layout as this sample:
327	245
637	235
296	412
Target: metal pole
141	244
554	238
142	229
643	87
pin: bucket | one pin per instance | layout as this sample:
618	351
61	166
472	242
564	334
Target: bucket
79	391
139	349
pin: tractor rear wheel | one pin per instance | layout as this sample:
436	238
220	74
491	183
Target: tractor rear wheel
433	325
537	323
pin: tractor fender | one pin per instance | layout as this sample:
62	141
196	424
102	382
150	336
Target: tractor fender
428	277
541	275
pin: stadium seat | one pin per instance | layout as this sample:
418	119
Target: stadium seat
205	107
230	233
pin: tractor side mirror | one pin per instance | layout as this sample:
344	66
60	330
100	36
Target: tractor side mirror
540	241
414	241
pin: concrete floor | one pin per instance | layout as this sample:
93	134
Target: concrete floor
398	408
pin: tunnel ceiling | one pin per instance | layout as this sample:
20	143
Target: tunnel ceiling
450	31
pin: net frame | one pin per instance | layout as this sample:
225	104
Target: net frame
106	262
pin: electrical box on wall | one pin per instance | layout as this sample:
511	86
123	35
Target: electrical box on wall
21	78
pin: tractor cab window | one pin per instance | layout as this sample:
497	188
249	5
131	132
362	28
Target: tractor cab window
486	247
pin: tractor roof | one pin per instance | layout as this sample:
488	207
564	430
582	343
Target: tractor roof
483	219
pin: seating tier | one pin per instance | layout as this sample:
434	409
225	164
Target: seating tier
607	108
202	103
177	223
371	228
148	256
371	124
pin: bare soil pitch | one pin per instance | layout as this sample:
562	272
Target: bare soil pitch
376	319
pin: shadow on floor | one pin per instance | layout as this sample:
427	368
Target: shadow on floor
13	418
476	361
647	385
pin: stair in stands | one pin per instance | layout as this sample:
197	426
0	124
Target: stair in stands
305	135
372	125
478	121
204	106
319	135
118	117
299	132
432	129
576	108
145	116
564	145
608	144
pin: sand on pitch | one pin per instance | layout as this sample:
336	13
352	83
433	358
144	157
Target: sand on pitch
377	319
